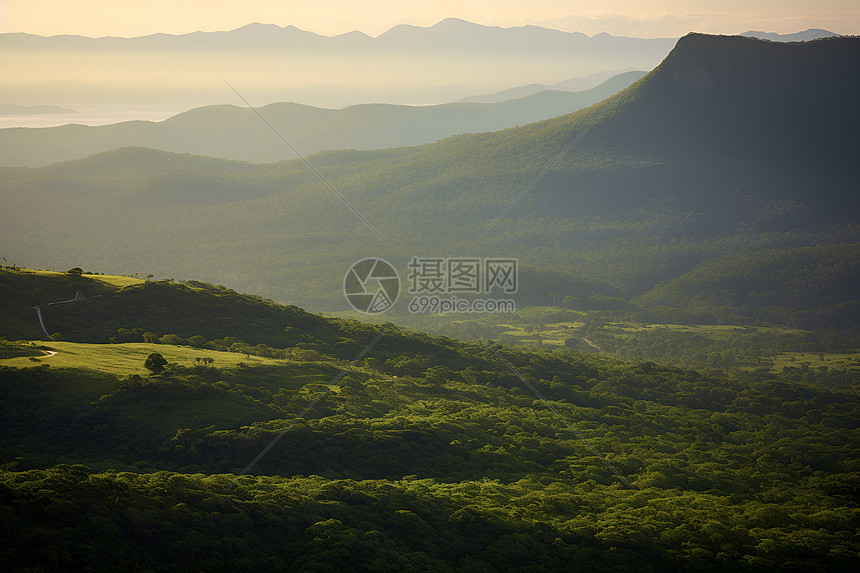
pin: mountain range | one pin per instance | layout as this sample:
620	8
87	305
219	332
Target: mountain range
732	146
449	35
266	63
451	60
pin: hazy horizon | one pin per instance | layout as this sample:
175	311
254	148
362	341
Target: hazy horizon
661	18
148	55
133	68
264	64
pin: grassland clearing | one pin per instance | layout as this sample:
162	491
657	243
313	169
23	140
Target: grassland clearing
126	359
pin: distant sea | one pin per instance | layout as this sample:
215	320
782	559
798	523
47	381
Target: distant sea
97	115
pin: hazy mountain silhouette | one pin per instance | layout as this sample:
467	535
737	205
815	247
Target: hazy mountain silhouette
237	133
805	36
13	109
621	80
450	35
407	64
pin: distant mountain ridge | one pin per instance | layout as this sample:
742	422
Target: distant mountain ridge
446	35
457	59
406	65
12	109
237	133
804	36
622	79
469	36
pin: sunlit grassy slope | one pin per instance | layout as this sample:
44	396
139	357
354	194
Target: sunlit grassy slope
125	359
114	280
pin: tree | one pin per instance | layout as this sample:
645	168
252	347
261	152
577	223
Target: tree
173	339
155	363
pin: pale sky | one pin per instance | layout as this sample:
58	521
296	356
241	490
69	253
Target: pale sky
654	18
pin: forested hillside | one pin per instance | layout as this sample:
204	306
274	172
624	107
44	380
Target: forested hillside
374	448
699	160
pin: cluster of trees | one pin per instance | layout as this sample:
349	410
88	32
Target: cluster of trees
9	349
175	522
741	347
157	364
226	344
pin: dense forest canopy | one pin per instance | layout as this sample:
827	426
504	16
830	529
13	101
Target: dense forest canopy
425	453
